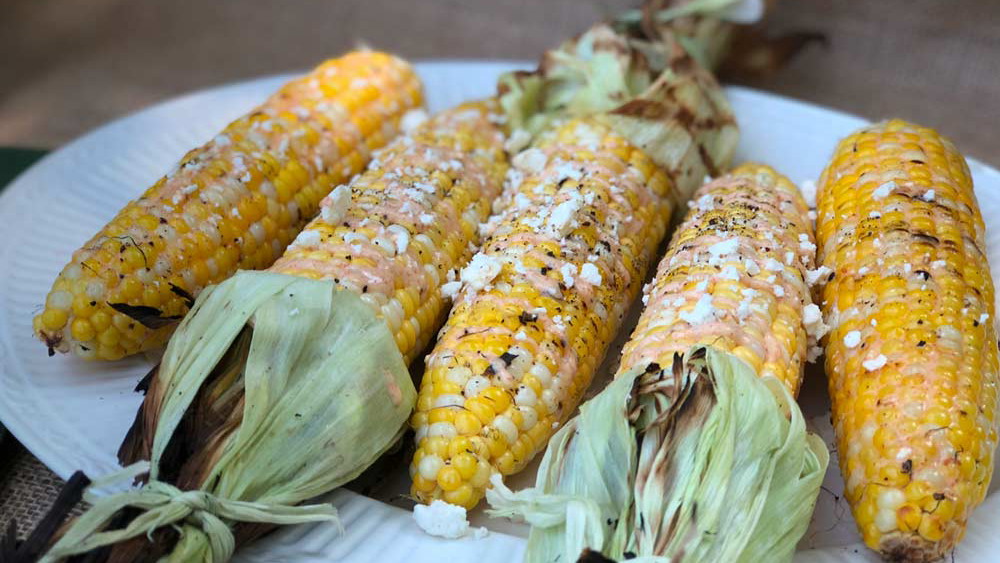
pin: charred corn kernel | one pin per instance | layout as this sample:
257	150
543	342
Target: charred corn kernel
911	355
169	234
715	285
542	300
384	231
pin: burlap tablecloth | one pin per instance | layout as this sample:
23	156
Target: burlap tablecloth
68	66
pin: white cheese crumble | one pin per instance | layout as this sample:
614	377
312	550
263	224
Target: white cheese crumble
400	236
779	291
883	190
442	519
426	218
805	243
562	216
928	195
412	119
724	248
730	273
532	160
480	271
812	321
789	258
590	274
450	289
875	363
335	205
751	267
874	215
702	312
307	238
814	276
938	264
852	339
983	318
568	272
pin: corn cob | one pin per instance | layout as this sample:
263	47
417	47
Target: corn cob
734	277
548	289
386	241
412	217
233	203
702	454
585	210
911	356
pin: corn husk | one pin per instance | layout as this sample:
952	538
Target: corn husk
653	92
326	393
700	462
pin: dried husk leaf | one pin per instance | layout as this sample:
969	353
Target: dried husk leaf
327	392
717	464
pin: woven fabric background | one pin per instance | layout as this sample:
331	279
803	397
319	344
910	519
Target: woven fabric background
69	65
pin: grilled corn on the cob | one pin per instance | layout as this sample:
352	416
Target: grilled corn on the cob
735	278
318	388
234	203
586	207
696	452
912	352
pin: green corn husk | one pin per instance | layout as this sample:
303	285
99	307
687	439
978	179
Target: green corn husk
325	396
650	91
702	462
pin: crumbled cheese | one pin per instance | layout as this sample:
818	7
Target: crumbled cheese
480	271
450	289
875	363
862	270
703	203
751	267
480	533
805	243
811	214
730	273
928	195
814	276
189	189
561	219
852	339
808	189
521	201
789	257
426	218
412	119
724	248
812	321
519	139
779	291
702	312
874	215
532	160
907	267
308	237
743	309
938	264
442	519
590	274
883	190
400	236
566	171
983	318
773	265
568	272
335	205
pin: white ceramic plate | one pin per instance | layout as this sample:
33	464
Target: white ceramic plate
73	415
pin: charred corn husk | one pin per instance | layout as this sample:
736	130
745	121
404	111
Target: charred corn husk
286	384
697	452
912	352
586	207
234	203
